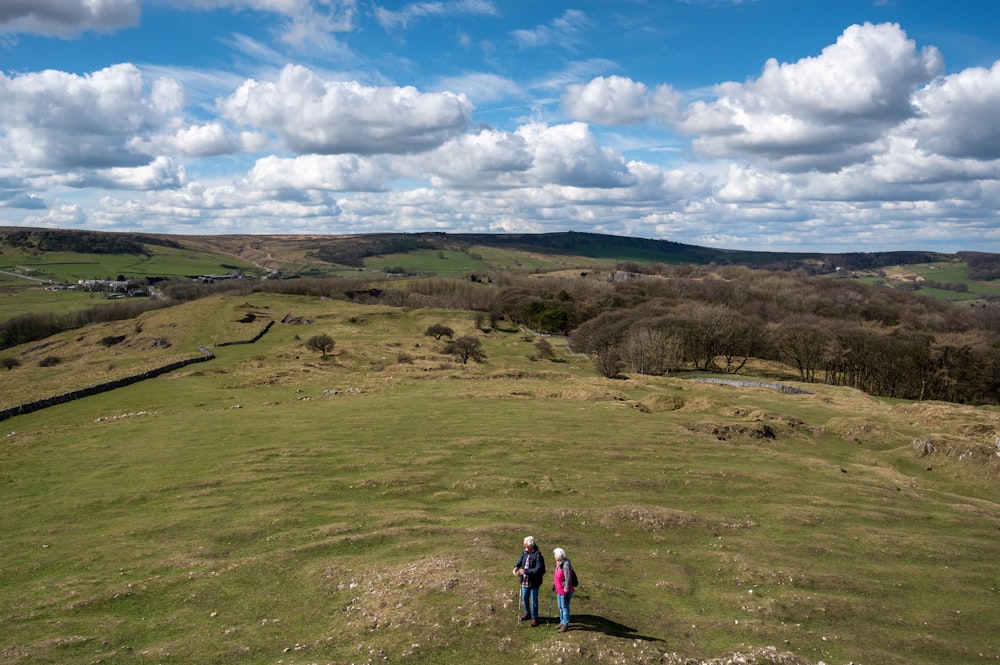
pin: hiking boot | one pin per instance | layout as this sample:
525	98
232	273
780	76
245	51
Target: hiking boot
534	622
525	616
562	628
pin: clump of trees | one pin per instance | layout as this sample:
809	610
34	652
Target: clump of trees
983	267
833	330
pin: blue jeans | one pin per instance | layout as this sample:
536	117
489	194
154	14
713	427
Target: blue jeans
564	607
530	597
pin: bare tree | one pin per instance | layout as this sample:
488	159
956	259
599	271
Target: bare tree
742	337
608	361
700	327
466	348
439	330
646	350
803	345
322	343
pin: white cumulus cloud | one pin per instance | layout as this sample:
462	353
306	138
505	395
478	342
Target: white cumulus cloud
570	155
313	115
484	159
160	173
203	140
960	114
56	120
820	112
316	172
618	100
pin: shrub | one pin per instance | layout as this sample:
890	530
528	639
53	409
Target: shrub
608	361
544	350
465	349
439	330
322	343
111	340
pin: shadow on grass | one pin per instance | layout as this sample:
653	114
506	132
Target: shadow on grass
598	624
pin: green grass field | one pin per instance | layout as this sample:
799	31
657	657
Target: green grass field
476	259
272	506
430	261
946	273
69	267
21	299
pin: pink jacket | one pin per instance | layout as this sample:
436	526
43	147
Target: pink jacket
562	578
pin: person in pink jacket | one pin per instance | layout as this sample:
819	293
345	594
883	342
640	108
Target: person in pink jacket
563	584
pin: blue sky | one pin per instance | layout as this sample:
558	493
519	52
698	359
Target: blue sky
802	125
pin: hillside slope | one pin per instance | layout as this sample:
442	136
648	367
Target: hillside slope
275	505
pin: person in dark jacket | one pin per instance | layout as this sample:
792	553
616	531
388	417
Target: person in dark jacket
531	568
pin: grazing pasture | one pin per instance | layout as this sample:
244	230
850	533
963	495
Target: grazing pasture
277	506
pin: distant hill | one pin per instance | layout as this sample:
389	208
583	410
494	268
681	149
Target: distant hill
67	256
352	250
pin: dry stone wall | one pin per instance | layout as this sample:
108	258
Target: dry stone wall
38	405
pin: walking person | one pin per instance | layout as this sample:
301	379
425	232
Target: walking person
531	568
563	584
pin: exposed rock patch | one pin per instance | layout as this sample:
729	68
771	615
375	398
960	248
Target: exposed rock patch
728	431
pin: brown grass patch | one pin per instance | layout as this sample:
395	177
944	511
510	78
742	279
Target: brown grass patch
521	374
587	395
698	405
394	599
858	431
656	403
649	518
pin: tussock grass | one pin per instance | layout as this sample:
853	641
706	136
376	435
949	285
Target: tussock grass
274	507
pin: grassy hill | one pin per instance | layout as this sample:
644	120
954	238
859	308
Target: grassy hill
276	506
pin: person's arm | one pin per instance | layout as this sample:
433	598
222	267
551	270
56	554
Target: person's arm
520	564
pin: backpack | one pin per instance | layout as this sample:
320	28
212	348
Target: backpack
574	580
